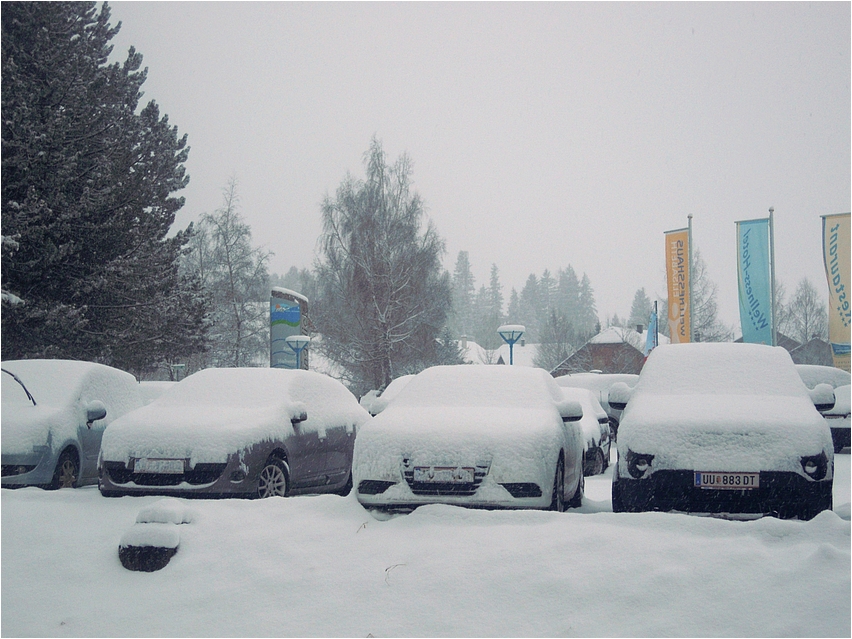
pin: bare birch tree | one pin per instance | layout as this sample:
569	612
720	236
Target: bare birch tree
383	296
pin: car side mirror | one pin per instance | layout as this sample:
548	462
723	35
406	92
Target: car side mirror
299	414
379	404
822	395
570	410
619	395
96	410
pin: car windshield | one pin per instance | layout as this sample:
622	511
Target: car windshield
477	386
14	392
229	387
51	382
720	369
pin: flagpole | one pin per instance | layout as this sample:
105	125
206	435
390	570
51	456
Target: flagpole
689	275
772	272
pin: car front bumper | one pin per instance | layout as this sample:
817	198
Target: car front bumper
781	494
207	480
28	469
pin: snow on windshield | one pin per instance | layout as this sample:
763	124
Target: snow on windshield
717	369
52	382
483	386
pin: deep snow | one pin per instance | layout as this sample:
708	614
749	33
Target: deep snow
323	566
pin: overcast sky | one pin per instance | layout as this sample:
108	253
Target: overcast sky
541	135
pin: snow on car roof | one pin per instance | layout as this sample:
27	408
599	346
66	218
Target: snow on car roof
596	381
57	382
813	374
720	368
218	411
466	385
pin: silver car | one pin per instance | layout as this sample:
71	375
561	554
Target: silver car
54	415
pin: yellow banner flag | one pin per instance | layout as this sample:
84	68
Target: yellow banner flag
677	272
835	248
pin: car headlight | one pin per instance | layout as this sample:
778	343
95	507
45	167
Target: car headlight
638	464
815	466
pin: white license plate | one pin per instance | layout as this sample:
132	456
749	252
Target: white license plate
443	475
726	481
160	466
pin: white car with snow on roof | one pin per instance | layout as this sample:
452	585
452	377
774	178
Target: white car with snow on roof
837	417
250	432
54	415
482	436
595	425
600	383
723	429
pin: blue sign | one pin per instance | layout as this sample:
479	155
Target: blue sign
755	280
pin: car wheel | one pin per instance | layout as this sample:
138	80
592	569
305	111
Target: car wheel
273	479
577	500
67	471
557	501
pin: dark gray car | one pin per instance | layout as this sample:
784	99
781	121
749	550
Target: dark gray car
251	432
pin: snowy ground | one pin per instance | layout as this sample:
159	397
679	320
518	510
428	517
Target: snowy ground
323	566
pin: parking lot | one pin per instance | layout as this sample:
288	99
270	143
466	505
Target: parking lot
324	566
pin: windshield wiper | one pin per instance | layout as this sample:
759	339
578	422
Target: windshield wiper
17	379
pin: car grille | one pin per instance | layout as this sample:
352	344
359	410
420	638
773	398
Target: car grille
523	489
374	486
201	474
445	489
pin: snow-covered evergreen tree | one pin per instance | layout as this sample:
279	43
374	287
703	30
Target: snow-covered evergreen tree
87	195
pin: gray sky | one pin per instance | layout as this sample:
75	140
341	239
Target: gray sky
542	135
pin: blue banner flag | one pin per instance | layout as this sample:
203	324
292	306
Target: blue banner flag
651	339
755	280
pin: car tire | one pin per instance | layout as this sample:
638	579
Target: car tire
593	465
273	479
67	472
617	501
577	500
557	501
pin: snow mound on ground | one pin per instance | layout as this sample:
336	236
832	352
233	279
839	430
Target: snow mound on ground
166	511
151	535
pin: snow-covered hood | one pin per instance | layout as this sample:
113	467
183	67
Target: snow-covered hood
723	432
26	427
504	438
206	436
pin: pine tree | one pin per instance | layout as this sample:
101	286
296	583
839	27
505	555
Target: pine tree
588	312
461	320
87	186
640	311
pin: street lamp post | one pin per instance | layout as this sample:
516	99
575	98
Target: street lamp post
297	344
511	333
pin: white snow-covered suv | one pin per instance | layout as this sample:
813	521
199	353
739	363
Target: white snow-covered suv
723	429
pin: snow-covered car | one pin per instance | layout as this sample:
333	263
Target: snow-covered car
486	436
595	425
723	429
251	432
600	383
54	415
375	402
838	416
152	390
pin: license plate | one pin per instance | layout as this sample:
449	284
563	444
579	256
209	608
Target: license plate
726	481
443	475
159	466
